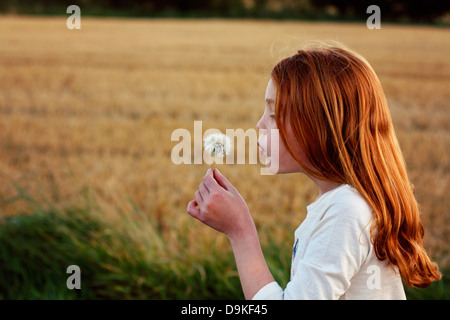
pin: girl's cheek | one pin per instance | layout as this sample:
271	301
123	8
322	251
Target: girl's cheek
273	143
269	144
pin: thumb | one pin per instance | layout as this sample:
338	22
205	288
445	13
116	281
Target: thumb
222	181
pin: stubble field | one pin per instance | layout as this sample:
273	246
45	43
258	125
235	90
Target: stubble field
86	118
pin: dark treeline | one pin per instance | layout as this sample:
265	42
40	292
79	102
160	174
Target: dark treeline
397	11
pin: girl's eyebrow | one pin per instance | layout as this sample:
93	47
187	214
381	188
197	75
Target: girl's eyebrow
269	101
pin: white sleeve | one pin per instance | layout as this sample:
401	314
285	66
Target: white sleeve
334	254
271	291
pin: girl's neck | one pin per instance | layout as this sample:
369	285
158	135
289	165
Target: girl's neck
324	185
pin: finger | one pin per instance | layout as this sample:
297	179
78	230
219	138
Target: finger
204	191
222	181
209	181
192	209
198	198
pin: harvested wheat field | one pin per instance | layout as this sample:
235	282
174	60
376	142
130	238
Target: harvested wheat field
86	116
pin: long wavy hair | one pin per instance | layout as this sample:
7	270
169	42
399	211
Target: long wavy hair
337	109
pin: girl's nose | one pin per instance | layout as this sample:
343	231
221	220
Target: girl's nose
258	125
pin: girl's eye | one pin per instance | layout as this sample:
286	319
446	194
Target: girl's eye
272	116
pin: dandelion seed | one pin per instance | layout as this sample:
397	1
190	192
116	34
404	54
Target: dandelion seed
218	145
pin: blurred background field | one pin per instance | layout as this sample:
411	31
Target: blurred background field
86	118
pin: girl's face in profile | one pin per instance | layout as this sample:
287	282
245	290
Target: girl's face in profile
267	123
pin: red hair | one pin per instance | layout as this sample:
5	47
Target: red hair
336	107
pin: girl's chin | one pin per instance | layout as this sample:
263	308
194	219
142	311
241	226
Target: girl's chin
272	168
275	168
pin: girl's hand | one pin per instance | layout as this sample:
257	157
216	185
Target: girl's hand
220	206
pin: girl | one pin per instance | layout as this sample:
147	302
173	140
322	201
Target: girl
363	234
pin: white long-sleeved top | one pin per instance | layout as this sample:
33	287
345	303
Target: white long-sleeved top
333	257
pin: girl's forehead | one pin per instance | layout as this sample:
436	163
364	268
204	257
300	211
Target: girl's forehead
271	93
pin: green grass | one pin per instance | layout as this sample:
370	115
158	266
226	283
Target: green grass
123	257
439	290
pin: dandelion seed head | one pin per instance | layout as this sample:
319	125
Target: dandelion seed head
218	144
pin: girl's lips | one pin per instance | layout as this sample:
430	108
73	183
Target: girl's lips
259	145
261	150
